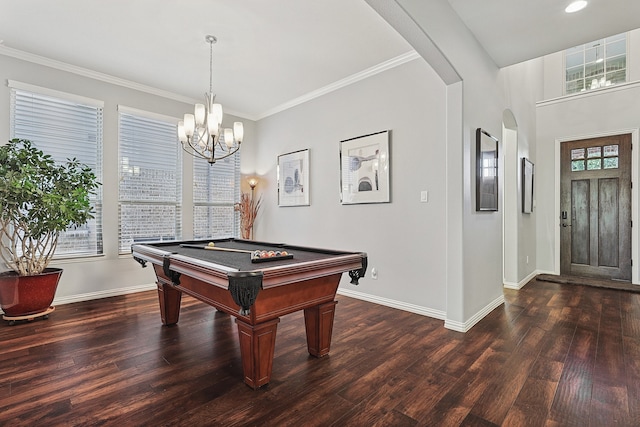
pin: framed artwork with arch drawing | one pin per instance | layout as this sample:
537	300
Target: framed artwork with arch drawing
364	169
293	178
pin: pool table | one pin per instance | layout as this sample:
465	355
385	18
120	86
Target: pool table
229	275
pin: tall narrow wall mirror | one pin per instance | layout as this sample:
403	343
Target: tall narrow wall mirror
486	171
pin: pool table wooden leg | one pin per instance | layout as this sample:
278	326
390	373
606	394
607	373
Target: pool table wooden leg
257	343
318	322
169	298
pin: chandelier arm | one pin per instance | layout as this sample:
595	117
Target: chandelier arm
202	138
193	151
215	159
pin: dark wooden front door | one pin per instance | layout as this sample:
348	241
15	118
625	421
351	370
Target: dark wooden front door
595	207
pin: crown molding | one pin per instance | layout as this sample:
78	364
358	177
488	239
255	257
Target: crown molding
376	69
85	72
107	78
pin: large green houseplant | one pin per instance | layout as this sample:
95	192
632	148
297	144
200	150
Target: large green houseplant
38	200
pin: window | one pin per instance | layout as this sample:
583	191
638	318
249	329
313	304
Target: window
216	190
600	157
64	126
597	64
150	170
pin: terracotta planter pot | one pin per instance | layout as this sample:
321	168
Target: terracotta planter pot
24	295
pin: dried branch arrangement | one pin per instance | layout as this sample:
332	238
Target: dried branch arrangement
248	208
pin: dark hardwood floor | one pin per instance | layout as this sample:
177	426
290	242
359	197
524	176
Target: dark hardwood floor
553	355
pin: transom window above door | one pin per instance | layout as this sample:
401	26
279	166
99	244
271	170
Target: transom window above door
594	158
597	64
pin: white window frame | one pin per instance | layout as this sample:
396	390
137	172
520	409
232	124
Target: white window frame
145	202
211	201
600	48
85	240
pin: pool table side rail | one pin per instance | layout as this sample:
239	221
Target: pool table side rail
279	275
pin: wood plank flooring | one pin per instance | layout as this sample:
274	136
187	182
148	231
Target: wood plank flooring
552	355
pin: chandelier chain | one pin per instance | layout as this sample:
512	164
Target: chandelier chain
211	66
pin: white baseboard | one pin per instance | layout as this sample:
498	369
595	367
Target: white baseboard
436	314
104	294
465	326
400	305
520	284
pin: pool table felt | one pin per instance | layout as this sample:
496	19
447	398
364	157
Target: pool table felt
242	261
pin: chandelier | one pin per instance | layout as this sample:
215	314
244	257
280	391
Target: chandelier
201	133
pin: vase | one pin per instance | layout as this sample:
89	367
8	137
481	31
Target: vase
26	295
246	232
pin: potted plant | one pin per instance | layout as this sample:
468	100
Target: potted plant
38	200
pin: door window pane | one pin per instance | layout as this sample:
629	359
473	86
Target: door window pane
610	150
610	163
594	152
577	153
594	164
577	165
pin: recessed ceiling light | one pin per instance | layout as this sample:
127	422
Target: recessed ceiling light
576	6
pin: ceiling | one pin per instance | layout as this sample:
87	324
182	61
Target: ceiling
271	53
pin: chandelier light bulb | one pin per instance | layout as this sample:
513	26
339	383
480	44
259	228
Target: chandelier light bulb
212	124
228	137
199	113
216	109
238	131
189	124
182	136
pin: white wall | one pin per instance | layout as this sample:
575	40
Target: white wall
109	274
404	239
523	87
560	118
478	288
610	111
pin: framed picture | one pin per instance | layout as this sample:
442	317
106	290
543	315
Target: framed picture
364	169
486	171
293	178
527	186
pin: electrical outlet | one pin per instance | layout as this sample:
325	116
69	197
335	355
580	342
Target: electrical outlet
374	273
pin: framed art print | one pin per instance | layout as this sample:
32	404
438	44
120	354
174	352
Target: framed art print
293	178
364	169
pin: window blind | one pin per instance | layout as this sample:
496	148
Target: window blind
216	190
64	127
150	185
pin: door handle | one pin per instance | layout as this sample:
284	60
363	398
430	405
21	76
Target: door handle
566	225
